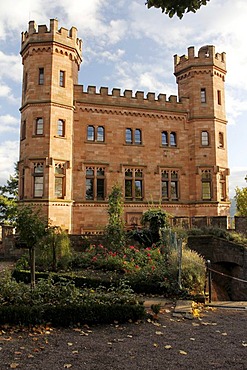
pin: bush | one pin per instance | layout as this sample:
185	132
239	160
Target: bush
63	304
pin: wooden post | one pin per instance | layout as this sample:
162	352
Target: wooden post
32	267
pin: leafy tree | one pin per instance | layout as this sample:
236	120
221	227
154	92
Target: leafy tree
178	7
8	198
31	226
114	231
241	201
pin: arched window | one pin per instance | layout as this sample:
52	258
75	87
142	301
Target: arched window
164	138
173	139
90	133
138	136
128	136
100	133
221	140
206	185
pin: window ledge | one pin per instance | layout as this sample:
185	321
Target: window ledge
60	137
37	135
133	144
94	142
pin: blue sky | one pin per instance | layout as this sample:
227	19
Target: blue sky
127	46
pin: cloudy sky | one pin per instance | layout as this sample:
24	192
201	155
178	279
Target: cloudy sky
127	46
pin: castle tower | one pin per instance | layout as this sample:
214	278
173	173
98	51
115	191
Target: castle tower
201	79
51	61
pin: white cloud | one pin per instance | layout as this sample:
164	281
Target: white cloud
9	152
9	124
10	67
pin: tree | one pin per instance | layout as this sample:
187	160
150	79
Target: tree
178	7
114	231
31	227
8	199
241	201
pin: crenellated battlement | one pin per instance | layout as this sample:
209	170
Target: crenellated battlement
206	57
129	99
41	34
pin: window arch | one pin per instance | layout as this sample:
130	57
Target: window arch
173	139
90	133
164	138
138	136
206	178
100	133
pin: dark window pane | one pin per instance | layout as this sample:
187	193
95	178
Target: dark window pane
39	126
174	190
89	189
41	76
100	189
164	189
89	171
58	187
128	189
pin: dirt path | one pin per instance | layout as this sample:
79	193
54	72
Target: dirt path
218	340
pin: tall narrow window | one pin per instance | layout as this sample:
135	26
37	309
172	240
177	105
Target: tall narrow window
133	184
61	128
173	139
204	138
222	186
174	185
164	138
62	78
203	95
39	127
41	76
95	183
206	185
219	97
38	176
100	134
23	130
169	185
221	140
90	133
138	136
60	180
128	136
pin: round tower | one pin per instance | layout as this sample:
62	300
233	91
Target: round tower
51	61
201	78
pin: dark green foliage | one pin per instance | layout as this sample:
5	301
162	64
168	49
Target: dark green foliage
176	7
63	304
8	199
114	231
241	201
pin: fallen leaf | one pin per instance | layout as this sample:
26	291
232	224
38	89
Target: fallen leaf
129	336
192	339
75	352
155	345
168	346
244	344
30	356
159	333
70	344
18	353
67	366
14	365
182	352
223	333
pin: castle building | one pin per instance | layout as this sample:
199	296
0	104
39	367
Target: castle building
75	144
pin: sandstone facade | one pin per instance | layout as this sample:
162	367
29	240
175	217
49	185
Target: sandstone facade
76	143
